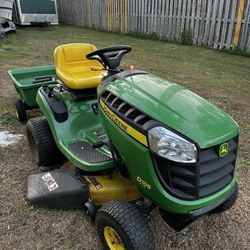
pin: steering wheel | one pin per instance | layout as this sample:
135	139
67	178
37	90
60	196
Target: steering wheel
110	57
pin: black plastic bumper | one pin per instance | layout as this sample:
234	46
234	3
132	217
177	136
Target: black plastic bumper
180	221
57	189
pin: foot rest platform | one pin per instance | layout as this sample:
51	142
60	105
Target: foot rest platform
86	152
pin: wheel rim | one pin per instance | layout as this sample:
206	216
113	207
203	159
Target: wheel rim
17	115
112	238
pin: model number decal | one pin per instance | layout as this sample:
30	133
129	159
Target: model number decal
50	182
143	183
113	117
124	126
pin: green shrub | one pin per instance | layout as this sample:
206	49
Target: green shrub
186	37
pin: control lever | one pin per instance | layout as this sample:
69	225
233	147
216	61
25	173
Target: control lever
98	144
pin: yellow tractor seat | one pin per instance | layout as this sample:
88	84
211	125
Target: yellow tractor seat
74	69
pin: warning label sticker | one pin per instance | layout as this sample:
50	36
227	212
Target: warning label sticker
50	182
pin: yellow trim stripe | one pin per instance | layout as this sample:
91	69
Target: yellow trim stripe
124	126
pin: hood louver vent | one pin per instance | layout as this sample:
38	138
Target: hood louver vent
127	112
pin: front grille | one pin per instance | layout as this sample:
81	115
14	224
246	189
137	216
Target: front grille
193	181
216	172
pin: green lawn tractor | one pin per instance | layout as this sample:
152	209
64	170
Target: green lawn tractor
134	142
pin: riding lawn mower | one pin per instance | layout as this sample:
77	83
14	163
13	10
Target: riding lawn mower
136	142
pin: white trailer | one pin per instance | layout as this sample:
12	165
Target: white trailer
6	24
35	12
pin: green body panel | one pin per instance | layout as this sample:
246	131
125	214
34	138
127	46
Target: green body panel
38	7
23	81
138	161
80	126
176	107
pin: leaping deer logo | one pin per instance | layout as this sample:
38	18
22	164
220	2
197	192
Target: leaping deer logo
224	148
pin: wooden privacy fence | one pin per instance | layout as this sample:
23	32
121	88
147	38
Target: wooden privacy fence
214	23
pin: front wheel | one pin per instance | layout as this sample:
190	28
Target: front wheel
122	226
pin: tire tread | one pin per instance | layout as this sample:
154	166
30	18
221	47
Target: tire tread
132	221
21	111
48	152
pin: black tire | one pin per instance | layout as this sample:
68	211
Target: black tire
2	33
128	223
227	204
42	144
20	111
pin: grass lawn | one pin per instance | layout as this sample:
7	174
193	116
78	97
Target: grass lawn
223	79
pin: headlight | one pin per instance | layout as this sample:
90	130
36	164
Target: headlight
171	146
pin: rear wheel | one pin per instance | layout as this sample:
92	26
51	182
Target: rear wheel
122	226
42	144
20	111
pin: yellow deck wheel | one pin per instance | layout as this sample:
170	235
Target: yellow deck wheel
112	238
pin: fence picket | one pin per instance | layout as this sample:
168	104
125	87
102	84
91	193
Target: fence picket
202	22
188	17
213	22
184	16
245	27
178	21
218	25
232	24
193	17
197	22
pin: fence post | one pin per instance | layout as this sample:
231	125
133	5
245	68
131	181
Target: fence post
126	17
238	23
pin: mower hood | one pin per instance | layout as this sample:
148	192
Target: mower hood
176	107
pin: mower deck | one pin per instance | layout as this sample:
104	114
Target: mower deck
65	188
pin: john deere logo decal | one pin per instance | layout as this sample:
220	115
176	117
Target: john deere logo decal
224	149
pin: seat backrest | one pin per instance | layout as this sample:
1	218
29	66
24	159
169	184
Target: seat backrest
73	55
